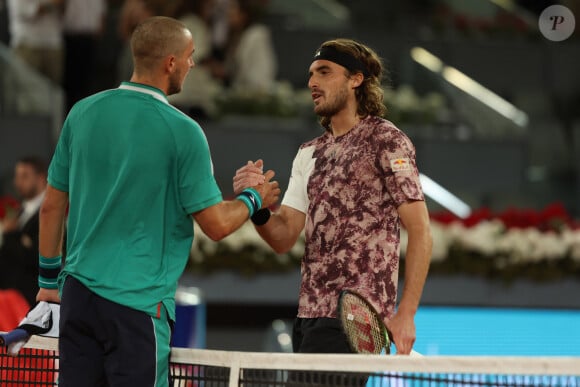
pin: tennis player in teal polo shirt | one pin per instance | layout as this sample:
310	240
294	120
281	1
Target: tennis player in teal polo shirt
133	171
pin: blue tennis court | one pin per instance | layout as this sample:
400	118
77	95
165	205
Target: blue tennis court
497	331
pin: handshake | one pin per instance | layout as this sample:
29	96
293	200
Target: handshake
252	175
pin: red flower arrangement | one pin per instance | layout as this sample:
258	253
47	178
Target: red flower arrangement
538	245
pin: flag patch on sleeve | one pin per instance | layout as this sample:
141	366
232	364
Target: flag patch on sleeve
398	165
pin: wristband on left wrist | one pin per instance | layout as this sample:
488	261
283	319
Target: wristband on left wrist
48	271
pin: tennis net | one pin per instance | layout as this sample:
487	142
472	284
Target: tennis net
37	365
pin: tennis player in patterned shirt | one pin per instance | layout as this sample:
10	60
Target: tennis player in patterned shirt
350	190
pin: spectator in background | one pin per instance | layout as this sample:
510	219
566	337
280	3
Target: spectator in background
220	27
4	33
36	35
250	62
19	249
84	22
197	96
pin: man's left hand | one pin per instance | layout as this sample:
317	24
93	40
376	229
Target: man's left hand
48	295
402	327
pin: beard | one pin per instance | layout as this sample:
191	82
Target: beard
175	83
333	105
27	193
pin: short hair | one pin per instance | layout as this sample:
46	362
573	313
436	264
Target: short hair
369	95
154	39
37	163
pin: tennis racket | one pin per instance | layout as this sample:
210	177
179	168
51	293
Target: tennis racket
363	326
14	336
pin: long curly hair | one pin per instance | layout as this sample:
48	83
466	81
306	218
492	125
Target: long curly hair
369	94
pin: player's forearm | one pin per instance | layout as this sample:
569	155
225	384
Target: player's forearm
223	219
52	216
417	261
277	233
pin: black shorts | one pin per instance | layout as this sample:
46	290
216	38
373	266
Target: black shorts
102	343
319	335
322	335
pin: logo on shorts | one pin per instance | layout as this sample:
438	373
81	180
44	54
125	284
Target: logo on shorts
399	165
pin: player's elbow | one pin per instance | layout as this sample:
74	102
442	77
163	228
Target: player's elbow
50	207
280	249
281	246
216	234
220	228
215	223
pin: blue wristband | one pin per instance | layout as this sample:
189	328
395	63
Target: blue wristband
46	283
256	195
251	199
48	271
247	202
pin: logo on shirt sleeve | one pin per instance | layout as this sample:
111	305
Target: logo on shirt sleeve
399	165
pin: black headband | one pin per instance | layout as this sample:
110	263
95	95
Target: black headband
342	58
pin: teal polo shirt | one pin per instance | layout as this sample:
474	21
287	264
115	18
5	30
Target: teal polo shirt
135	169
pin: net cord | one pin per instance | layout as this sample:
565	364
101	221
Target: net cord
492	365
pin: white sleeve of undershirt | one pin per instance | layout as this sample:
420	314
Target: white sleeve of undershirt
296	195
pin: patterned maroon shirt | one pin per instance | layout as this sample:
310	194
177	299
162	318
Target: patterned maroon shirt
350	187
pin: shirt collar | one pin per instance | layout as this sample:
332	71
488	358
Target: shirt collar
145	89
30	207
33	204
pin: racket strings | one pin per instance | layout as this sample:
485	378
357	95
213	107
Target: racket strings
362	326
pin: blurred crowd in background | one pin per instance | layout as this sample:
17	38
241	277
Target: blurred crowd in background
252	57
82	45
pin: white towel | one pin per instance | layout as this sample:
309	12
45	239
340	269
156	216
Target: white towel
41	320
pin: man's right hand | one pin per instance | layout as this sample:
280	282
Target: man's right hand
269	190
48	295
250	175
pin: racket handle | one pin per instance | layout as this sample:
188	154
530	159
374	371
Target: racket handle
7	339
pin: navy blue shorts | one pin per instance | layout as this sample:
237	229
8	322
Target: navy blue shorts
103	343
